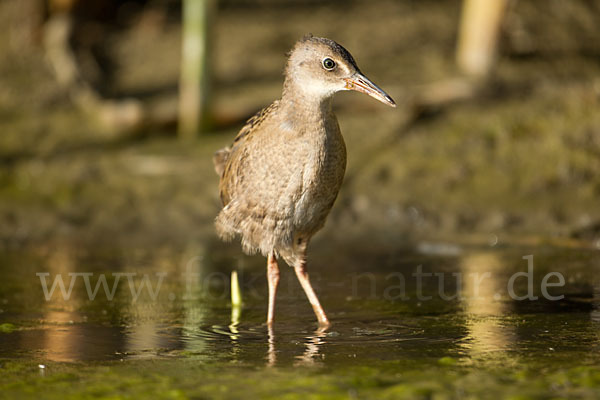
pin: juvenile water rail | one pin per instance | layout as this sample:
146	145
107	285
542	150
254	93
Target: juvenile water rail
282	174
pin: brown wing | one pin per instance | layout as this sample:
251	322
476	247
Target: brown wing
255	121
221	158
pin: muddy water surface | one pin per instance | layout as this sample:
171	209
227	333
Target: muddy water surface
438	319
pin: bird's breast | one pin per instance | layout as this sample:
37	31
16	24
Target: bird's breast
322	175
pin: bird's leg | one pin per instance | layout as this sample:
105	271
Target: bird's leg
273	278
302	275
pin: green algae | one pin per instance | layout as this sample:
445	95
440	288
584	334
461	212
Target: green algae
185	379
7	328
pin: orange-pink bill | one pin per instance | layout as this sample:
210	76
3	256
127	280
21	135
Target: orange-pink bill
362	84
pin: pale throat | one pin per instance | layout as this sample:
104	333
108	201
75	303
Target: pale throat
310	99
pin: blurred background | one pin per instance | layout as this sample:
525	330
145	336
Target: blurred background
108	127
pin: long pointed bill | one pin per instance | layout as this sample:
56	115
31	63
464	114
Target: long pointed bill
362	84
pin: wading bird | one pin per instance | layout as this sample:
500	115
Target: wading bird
282	174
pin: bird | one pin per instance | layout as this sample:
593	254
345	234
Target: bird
281	175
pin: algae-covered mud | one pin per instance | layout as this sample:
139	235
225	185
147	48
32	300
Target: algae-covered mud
437	321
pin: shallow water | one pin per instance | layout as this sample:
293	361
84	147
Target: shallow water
439	314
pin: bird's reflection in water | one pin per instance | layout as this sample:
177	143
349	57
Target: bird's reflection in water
313	347
271	355
483	287
311	353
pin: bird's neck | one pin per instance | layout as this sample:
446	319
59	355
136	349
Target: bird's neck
305	102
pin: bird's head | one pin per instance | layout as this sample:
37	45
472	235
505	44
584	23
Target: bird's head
320	67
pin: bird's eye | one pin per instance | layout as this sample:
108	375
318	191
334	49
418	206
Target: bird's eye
328	64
